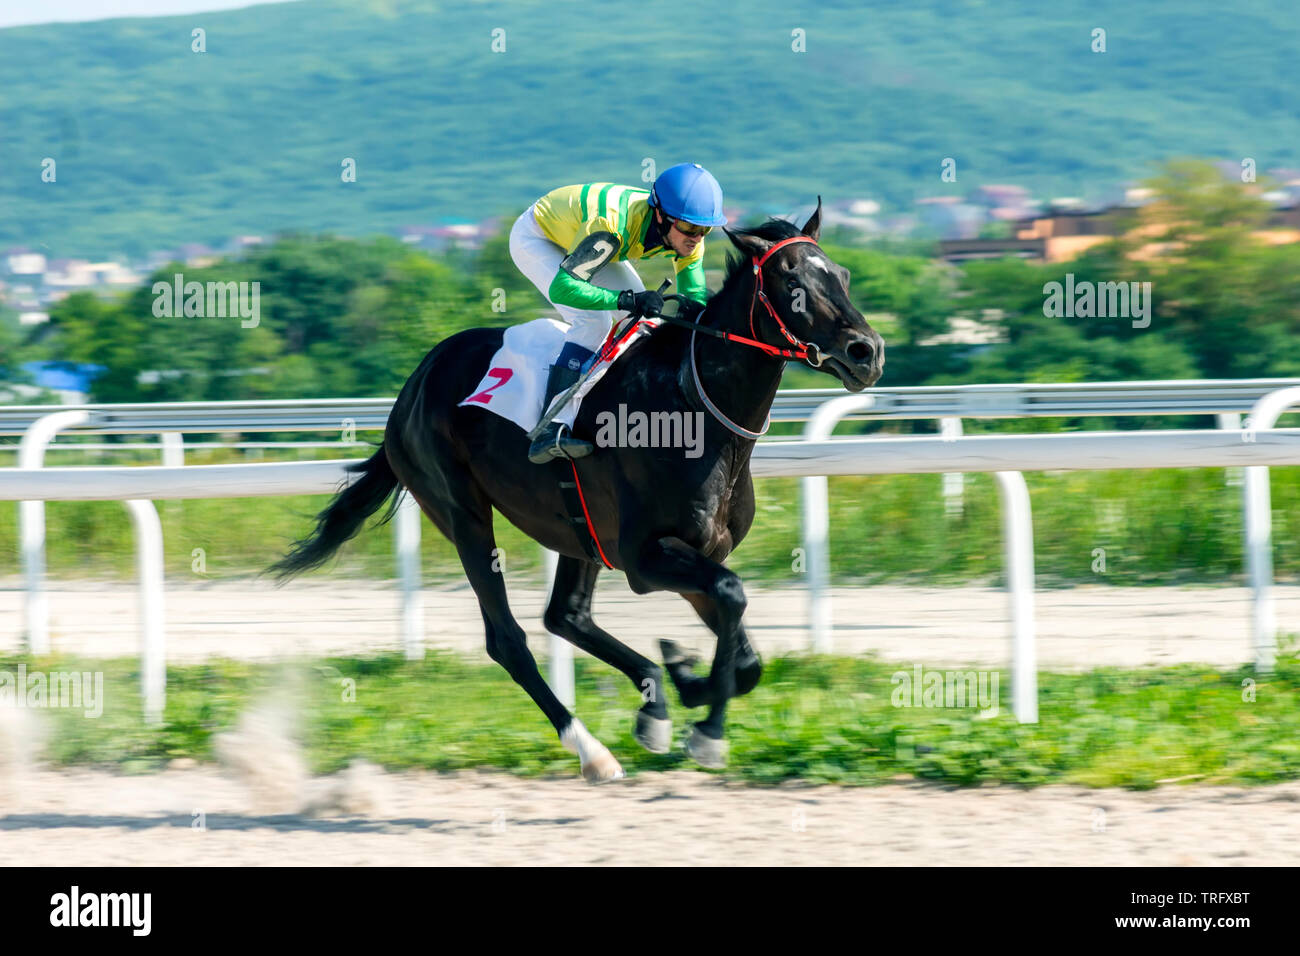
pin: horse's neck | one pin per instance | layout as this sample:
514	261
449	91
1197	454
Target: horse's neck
740	380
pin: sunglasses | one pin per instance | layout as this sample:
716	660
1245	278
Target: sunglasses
690	229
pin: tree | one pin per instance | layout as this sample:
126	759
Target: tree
1227	297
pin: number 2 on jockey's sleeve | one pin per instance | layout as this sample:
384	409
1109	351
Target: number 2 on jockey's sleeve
590	254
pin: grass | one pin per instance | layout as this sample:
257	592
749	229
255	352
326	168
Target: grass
1148	527
816	719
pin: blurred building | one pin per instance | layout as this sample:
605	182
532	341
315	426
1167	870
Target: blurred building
950	217
71	274
451	234
239	244
30	282
1067	229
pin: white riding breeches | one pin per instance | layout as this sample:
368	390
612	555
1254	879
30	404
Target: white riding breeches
539	259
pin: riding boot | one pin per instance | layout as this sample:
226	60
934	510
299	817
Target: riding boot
555	440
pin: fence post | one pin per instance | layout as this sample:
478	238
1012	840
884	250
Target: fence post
816	521
406	542
31	524
1259	529
954	482
1018	545
149	566
173	449
1231	422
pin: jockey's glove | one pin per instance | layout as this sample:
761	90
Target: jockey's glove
648	303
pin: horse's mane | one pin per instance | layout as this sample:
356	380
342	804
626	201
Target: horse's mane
774	230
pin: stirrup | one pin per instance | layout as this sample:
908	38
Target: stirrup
558	442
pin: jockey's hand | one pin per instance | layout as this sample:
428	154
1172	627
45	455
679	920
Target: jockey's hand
648	303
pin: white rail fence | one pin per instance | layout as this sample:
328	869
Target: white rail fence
1005	456
816	514
822	408
1025	400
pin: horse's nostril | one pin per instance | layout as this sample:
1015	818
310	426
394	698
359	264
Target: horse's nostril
861	353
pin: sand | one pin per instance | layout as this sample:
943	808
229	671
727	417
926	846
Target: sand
682	817
261	808
1076	627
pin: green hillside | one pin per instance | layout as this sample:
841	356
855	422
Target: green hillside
157	145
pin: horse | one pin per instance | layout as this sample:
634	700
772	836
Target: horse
666	520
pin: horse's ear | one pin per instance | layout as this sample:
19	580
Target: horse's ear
751	246
813	227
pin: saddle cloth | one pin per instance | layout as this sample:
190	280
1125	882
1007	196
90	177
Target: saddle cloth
515	384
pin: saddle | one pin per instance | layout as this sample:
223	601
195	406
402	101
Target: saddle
514	387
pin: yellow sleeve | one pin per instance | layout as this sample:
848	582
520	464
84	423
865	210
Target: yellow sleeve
689	273
590	227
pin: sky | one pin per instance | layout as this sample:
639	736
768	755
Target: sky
25	12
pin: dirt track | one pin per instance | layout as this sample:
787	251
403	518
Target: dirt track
658	819
278	816
967	626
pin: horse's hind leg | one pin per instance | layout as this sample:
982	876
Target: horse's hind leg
568	614
470	525
692	689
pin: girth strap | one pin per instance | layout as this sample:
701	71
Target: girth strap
575	503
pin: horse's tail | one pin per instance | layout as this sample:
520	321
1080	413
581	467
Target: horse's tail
343	517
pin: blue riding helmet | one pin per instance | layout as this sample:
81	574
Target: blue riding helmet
689	192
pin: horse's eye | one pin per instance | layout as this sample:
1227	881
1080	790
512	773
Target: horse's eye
792	282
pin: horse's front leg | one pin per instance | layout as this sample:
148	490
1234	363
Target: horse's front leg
670	564
568	614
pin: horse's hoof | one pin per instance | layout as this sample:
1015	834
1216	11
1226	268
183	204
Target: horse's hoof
602	768
598	764
674	654
705	751
653	733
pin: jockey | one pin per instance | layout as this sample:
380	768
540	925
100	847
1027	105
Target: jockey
576	244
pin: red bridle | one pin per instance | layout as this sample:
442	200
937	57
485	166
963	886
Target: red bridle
801	350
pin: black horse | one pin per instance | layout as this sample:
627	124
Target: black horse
665	519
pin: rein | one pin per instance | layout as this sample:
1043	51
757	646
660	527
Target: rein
800	351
